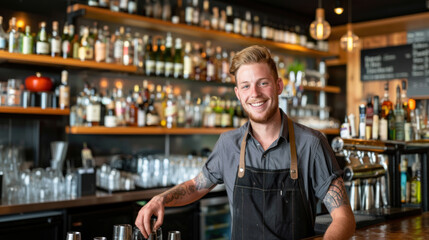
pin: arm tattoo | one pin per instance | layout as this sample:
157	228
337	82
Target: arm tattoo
202	182
336	195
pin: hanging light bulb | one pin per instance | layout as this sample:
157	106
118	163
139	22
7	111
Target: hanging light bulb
338	9
319	28
349	41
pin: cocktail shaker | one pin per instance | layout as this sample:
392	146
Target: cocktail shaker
73	236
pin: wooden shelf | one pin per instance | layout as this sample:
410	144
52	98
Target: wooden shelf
99	130
330	131
329	89
62	62
192	31
34	110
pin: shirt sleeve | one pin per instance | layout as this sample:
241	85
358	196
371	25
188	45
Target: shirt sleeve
213	168
325	167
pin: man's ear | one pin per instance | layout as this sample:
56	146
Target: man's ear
280	86
236	93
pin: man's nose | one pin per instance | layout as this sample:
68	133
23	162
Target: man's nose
254	91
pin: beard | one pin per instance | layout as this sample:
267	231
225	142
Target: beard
269	114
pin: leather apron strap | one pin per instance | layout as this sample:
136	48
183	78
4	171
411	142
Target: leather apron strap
293	159
242	164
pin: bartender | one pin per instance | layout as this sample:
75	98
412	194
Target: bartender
274	170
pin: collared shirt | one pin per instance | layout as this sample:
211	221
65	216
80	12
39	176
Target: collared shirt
316	161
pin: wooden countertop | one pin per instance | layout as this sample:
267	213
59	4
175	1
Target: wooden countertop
414	227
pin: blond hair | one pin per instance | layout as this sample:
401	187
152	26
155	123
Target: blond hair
253	54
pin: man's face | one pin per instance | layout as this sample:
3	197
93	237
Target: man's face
258	91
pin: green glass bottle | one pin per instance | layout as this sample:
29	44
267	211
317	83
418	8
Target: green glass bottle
27	41
42	43
399	116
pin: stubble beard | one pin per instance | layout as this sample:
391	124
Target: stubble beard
269	114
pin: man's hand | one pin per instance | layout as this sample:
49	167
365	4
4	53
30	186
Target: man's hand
343	221
179	195
153	207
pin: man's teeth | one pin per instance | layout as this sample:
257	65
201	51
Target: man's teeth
256	104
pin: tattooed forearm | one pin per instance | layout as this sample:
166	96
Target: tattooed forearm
178	192
201	182
336	195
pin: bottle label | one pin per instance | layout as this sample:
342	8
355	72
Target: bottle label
2	43
110	121
93	113
150	67
66	47
178	69
152	120
132	7
210	70
64	97
169	69
383	129
175	19
229	27
141	118
187	66
159	67
123	4
237	25
118	50
226	120
171	111
345	131
27	45
42	48
55	46
100	52
189	12
375	124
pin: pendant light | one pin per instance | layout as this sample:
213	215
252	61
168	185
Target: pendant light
349	41
338	8
319	28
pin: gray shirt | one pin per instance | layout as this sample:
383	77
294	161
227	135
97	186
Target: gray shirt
316	161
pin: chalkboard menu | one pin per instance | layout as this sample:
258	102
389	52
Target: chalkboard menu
386	63
410	61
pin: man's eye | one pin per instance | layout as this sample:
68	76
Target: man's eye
244	86
264	83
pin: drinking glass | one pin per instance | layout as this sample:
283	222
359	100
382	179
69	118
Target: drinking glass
13	92
3	93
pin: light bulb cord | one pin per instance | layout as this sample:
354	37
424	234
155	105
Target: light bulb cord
350	11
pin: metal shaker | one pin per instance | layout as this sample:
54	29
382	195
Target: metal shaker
174	235
156	234
122	232
355	195
368	194
73	236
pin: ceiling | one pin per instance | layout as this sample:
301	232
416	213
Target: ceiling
362	10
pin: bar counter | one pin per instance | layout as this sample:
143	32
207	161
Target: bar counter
413	227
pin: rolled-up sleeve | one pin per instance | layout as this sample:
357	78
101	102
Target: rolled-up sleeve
213	169
325	167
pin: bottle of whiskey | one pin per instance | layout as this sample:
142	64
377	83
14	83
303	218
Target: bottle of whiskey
55	40
27	41
93	110
100	47
118	46
399	116
205	18
189	12
386	110
168	57
42	44
84	45
64	91
229	24
187	62
178	59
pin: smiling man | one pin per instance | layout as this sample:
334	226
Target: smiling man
274	170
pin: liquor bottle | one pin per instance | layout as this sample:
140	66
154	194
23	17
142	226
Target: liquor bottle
214	21
93	3
131	111
157	9
103	3
141	112
210	64
114	5
222	20
407	112
128	51
403	170
196	62
196	13
159	103
293	35
84	46
27	41
132	6
66	49
225	77
375	118
120	105
256	27
369	119
110	117
170	110
64	91
205	18
93	110
189	110
386	109
74	42
265	29
159	58
12	36
100	47
138	50
218	107
166	10
178	59
55	40
118	46
123	5
247	26
399	116
168	57
416	194
152	117
226	120
189	12
3	36
178	15
149	58
286	37
237	22
42	44
187	62
229	24
362	118
345	129
218	63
